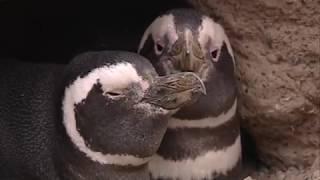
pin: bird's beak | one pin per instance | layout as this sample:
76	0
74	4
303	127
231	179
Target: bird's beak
188	58
175	90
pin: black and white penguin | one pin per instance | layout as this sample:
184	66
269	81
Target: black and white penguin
102	116
203	139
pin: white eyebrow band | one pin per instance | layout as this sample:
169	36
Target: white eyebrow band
111	77
158	28
214	31
208	29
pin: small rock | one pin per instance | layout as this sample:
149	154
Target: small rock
316	175
248	178
281	175
290	1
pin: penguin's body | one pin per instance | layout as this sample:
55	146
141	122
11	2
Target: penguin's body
27	119
99	117
203	139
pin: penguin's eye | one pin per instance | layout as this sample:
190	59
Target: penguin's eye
176	48
158	48
114	94
214	55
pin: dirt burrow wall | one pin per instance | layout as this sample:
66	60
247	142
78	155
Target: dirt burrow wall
277	46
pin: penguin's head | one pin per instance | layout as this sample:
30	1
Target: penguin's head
187	40
115	105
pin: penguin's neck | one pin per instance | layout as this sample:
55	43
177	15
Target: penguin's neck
221	97
77	161
75	165
203	139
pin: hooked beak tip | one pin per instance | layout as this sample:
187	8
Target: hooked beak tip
204	91
202	87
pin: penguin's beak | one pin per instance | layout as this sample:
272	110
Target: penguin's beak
190	59
175	90
185	56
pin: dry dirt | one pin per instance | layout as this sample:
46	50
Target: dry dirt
311	173
277	46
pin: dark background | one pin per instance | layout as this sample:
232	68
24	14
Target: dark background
55	31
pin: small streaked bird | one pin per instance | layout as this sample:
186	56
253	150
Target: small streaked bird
102	116
203	139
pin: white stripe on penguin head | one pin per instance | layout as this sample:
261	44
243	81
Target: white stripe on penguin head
161	26
210	30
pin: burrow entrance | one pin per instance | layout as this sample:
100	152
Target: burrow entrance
54	31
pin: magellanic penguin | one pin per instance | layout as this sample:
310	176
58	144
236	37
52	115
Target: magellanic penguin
203	139
102	116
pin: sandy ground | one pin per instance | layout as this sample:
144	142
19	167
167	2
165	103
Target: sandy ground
311	173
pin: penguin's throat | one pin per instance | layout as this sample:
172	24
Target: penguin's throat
171	64
104	158
207	122
209	165
77	166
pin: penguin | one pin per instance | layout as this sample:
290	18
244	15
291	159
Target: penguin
101	116
203	139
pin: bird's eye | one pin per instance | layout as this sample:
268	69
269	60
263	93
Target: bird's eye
176	48
113	93
214	55
158	48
